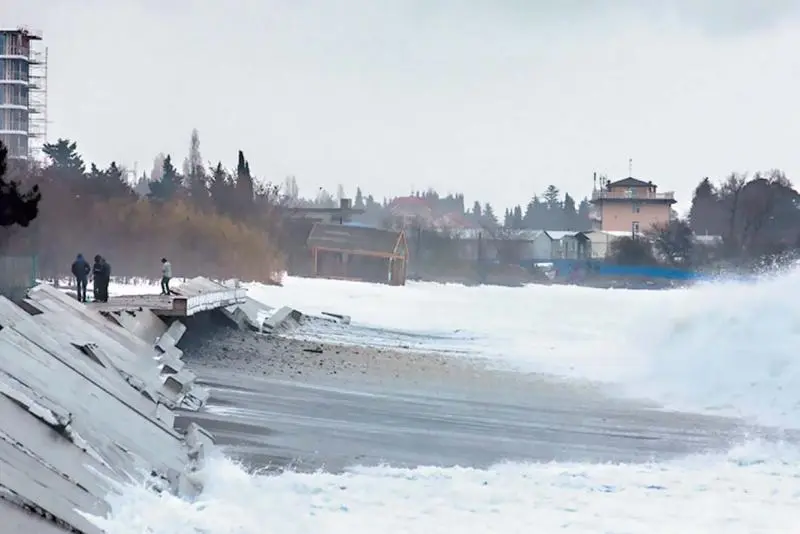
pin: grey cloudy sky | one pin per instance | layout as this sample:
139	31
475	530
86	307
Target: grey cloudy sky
495	98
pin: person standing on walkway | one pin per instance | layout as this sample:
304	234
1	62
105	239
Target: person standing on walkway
166	276
106	278
81	270
101	273
97	277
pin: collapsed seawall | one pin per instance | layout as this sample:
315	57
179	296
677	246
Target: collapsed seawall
87	399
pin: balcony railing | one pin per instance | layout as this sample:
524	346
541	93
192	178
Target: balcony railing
632	194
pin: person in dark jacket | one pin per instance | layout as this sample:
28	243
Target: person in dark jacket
81	270
106	278
97	277
101	272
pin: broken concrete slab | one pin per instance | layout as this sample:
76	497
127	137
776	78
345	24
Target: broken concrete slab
285	317
337	317
144	324
83	402
169	364
249	313
180	383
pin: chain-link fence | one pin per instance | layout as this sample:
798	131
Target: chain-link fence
17	275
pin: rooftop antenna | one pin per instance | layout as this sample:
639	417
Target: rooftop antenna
630	167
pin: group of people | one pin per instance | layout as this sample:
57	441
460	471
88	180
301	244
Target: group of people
100	273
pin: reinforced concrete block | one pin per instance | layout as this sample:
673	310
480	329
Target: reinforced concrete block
281	318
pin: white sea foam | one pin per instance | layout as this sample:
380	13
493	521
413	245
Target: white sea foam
727	348
754	488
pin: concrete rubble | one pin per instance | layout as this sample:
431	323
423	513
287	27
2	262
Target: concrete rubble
262	318
85	393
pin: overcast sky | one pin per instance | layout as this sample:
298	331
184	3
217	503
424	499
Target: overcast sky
495	98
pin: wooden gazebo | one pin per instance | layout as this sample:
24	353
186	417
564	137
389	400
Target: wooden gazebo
359	253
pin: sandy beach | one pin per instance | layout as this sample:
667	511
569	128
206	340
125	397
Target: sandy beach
220	347
281	402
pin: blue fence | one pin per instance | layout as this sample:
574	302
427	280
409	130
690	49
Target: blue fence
598	268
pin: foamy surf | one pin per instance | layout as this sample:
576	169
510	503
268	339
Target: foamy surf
753	488
725	348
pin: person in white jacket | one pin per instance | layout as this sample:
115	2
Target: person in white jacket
166	275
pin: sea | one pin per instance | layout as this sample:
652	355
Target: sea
723	349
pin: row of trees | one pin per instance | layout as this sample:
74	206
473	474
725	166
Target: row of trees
551	211
226	223
206	219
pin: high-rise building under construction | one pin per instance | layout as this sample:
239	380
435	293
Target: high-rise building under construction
23	92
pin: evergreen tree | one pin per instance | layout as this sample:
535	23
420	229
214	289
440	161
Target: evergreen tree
517	221
584	213
16	207
244	185
552	197
489	217
64	156
705	213
535	217
570	213
220	189
508	219
170	183
476	209
115	183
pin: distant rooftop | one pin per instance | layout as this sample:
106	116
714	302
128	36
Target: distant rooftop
29	32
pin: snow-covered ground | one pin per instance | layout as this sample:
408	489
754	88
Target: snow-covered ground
726	348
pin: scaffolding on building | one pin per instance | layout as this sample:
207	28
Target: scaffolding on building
23	102
37	103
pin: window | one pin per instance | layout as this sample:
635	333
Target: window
635	228
636	207
629	192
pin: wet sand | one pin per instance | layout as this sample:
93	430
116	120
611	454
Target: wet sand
279	402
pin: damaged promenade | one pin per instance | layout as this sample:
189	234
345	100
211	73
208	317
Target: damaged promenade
88	395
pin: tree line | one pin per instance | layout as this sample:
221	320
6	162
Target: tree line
206	219
223	222
551	210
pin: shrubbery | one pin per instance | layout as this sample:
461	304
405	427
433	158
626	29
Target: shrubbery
207	222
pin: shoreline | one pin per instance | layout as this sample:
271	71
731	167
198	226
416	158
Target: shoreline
225	351
279	403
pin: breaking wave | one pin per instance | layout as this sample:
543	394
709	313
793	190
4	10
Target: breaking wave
753	488
726	347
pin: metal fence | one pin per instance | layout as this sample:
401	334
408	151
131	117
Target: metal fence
17	275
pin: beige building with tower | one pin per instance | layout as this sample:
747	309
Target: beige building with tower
630	205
